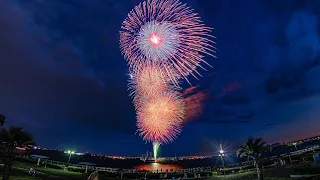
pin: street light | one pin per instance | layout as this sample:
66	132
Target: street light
70	153
221	154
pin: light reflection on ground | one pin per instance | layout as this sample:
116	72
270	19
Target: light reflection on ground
158	166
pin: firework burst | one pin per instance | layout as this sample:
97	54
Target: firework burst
149	81
160	119
169	32
163	42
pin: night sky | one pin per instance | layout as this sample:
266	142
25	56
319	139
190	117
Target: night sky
63	78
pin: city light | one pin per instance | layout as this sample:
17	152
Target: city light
70	153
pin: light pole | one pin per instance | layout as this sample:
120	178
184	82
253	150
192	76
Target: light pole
70	153
295	145
221	154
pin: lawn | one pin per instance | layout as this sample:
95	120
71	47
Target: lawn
21	175
59	173
281	173
269	174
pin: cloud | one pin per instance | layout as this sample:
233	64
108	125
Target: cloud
223	112
231	87
194	99
270	125
223	122
41	84
247	116
233	100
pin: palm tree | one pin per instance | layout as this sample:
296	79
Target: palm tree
10	139
254	149
2	119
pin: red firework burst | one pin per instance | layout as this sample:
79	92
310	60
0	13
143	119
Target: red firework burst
168	32
160	119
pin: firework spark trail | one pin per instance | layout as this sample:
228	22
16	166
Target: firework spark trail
169	32
156	146
160	119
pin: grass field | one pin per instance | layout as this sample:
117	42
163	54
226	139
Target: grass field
269	174
55	172
21	175
281	173
42	172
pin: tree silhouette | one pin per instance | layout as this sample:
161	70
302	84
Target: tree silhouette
2	118
10	139
254	149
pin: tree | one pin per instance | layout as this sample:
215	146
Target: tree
254	149
10	139
2	118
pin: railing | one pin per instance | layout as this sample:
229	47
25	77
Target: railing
189	170
113	170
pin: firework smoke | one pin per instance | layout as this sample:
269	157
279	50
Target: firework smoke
194	101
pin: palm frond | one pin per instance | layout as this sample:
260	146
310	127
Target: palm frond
15	136
252	148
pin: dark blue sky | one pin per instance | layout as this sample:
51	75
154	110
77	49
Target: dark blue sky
63	78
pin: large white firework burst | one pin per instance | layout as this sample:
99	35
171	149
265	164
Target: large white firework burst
158	41
166	31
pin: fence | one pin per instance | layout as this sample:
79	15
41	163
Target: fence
189	170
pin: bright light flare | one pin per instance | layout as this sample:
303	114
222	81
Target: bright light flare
69	152
156	40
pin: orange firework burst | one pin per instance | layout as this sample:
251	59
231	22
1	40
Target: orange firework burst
149	81
169	32
160	119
